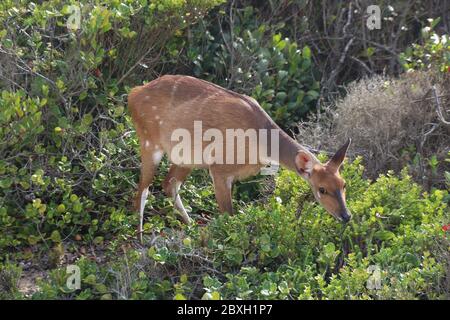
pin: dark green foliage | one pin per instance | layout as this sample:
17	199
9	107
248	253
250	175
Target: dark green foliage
272	69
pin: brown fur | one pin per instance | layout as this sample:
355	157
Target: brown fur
172	102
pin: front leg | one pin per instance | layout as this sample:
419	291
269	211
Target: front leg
222	188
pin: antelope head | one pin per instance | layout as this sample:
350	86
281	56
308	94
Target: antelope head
325	181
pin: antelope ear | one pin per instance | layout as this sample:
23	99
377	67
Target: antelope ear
304	164
335	162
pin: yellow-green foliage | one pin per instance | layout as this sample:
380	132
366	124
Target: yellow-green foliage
290	248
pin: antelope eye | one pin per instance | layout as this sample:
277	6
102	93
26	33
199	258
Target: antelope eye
322	190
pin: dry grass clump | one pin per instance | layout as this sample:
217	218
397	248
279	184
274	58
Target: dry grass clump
393	122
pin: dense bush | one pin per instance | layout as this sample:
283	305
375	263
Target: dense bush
393	123
66	145
289	248
432	54
249	59
396	121
343	49
69	156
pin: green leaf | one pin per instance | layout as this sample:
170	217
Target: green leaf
384	235
276	38
61	208
434	22
55	237
82	95
32	240
179	296
306	52
98	240
90	279
87	120
412	259
77	207
313	94
215	295
101	288
6	183
281	45
187	242
370	51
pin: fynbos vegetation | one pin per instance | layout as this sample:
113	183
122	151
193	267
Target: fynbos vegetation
69	154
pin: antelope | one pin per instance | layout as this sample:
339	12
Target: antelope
171	102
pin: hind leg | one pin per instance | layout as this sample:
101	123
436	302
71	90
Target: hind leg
223	186
150	158
172	184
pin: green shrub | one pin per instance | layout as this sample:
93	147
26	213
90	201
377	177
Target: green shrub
433	53
66	150
290	248
69	164
9	281
270	68
395	225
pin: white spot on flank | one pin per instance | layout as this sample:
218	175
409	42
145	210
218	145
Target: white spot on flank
154	107
147	143
172	93
147	97
160	122
157	117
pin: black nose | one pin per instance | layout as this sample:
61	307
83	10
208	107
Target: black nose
346	216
